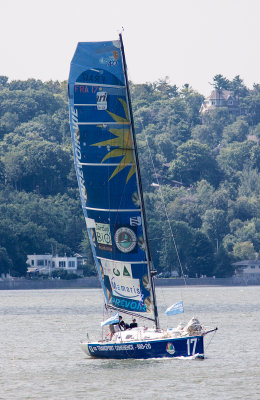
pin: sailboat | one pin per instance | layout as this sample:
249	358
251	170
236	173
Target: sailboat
109	179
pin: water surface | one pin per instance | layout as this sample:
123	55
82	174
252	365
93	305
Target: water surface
40	331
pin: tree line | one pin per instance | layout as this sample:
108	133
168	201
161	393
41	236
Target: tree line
207	169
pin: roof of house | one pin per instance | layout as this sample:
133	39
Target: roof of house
247	262
221	94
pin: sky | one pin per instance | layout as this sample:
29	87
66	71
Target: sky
190	41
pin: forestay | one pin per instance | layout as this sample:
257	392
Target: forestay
105	163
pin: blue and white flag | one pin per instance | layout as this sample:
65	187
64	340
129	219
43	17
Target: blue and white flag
112	320
176	308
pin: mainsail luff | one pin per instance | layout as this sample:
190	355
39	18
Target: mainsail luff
139	185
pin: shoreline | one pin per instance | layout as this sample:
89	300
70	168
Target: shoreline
93	282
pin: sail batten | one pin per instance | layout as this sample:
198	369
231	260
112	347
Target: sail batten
131	313
104	165
107	173
132	262
111	210
102	122
103	85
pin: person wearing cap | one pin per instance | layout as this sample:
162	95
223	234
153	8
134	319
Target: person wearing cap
133	324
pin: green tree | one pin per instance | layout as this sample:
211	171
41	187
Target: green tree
194	162
238	87
6	263
40	166
183	235
186	209
165	146
257	131
249	182
236	132
243	208
216	121
201	256
3	81
215	225
165	88
233	157
203	134
220	82
224	267
9	241
244	250
251	106
2	173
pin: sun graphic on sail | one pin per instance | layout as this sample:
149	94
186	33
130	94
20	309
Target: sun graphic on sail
124	143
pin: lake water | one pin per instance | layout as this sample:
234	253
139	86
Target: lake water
40	331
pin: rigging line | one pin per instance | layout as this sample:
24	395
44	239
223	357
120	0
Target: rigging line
214	333
164	205
165	209
160	238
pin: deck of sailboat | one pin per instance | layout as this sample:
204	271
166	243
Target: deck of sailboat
146	334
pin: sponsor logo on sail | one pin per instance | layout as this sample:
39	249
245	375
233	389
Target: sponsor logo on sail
125	239
126	287
170	348
103	235
116	55
108	61
128	304
125	271
135	221
116	272
117	268
101	100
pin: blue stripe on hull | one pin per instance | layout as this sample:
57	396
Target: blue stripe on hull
181	347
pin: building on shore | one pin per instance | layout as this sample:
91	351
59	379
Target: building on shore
47	263
220	98
247	268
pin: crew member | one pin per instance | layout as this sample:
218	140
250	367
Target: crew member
133	324
122	325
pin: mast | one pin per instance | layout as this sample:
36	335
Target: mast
139	185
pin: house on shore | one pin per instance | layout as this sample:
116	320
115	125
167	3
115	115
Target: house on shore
47	263
220	98
247	268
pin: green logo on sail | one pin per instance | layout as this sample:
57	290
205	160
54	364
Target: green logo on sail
116	272
125	271
125	239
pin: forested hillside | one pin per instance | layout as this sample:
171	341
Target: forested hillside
208	171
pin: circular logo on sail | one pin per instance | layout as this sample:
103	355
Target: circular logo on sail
170	348
125	239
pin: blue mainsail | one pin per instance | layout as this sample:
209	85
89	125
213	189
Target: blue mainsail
105	162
